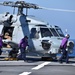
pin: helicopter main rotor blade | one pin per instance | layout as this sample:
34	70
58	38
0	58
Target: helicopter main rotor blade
21	4
54	9
10	3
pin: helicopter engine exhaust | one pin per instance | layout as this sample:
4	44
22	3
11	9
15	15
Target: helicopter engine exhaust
46	45
70	46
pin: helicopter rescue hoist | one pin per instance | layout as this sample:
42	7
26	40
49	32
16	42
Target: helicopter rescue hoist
43	39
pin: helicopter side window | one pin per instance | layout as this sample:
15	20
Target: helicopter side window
45	32
34	33
54	32
7	36
7	33
10	19
60	32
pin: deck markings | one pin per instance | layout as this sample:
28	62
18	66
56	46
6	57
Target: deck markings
36	68
41	65
73	64
25	73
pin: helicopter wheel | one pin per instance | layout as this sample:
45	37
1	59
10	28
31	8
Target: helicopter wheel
46	57
49	57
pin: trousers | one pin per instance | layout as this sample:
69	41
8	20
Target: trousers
64	56
22	54
0	51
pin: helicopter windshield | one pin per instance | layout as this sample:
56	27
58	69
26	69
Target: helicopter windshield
54	32
60	32
45	32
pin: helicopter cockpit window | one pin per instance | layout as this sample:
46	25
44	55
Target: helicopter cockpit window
60	32
45	32
54	32
34	33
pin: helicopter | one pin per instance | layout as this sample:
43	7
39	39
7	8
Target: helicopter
43	38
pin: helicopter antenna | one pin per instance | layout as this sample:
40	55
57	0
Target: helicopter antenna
14	11
26	11
20	5
66	31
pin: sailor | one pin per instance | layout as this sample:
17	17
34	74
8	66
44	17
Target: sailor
63	46
23	45
1	44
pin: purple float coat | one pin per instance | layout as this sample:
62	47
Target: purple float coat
64	42
23	43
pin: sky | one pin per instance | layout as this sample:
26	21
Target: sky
64	19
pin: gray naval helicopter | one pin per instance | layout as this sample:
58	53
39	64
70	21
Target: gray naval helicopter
43	39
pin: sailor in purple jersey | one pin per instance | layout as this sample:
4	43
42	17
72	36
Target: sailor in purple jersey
22	45
23	42
1	44
64	43
63	46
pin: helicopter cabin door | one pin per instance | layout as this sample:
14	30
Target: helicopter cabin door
1	27
35	37
7	35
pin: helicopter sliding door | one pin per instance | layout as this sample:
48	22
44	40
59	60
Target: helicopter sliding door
35	37
7	35
1	27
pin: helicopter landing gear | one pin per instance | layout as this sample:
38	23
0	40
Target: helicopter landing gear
49	57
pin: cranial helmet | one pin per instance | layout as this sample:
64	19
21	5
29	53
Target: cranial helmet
67	35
